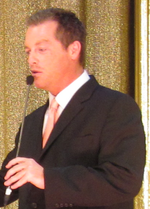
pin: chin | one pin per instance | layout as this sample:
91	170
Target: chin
39	85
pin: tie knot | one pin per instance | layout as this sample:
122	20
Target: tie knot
54	104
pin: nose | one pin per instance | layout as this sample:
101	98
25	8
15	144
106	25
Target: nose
32	59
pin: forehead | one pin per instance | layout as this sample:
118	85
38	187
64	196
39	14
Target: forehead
45	30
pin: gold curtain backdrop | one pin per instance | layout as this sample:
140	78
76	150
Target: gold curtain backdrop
108	57
142	86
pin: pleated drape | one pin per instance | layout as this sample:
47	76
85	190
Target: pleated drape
109	56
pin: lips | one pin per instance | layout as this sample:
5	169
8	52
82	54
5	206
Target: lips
35	72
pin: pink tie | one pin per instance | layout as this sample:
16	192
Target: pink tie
52	118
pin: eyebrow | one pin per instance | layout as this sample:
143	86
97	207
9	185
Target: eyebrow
38	43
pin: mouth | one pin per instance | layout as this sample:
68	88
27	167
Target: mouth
35	72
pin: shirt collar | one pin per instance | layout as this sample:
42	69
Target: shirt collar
66	94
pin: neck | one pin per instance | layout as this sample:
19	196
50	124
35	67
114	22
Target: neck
66	81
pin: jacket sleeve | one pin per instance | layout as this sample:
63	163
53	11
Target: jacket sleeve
117	177
14	194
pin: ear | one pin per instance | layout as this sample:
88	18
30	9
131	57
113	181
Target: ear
74	50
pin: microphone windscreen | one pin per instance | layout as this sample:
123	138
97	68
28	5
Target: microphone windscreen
30	80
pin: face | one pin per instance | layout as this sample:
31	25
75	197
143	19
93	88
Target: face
49	61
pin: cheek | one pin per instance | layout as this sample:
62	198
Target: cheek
54	63
46	64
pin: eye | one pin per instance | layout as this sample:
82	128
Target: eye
27	51
42	49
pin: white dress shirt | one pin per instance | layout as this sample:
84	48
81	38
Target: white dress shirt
66	94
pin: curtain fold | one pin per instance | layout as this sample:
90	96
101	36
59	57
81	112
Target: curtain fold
109	56
142	86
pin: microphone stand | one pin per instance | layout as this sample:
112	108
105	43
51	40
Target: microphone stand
29	81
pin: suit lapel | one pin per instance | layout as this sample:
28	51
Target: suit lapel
36	133
72	109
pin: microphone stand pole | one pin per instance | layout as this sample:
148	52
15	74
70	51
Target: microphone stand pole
8	191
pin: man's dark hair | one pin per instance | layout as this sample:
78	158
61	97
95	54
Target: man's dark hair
69	29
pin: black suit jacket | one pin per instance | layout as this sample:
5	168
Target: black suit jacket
94	157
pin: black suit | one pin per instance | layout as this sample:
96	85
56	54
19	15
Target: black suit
94	157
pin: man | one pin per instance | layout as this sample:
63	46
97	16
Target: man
94	157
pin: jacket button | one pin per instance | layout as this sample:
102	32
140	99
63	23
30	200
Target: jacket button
57	205
61	205
34	205
66	205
